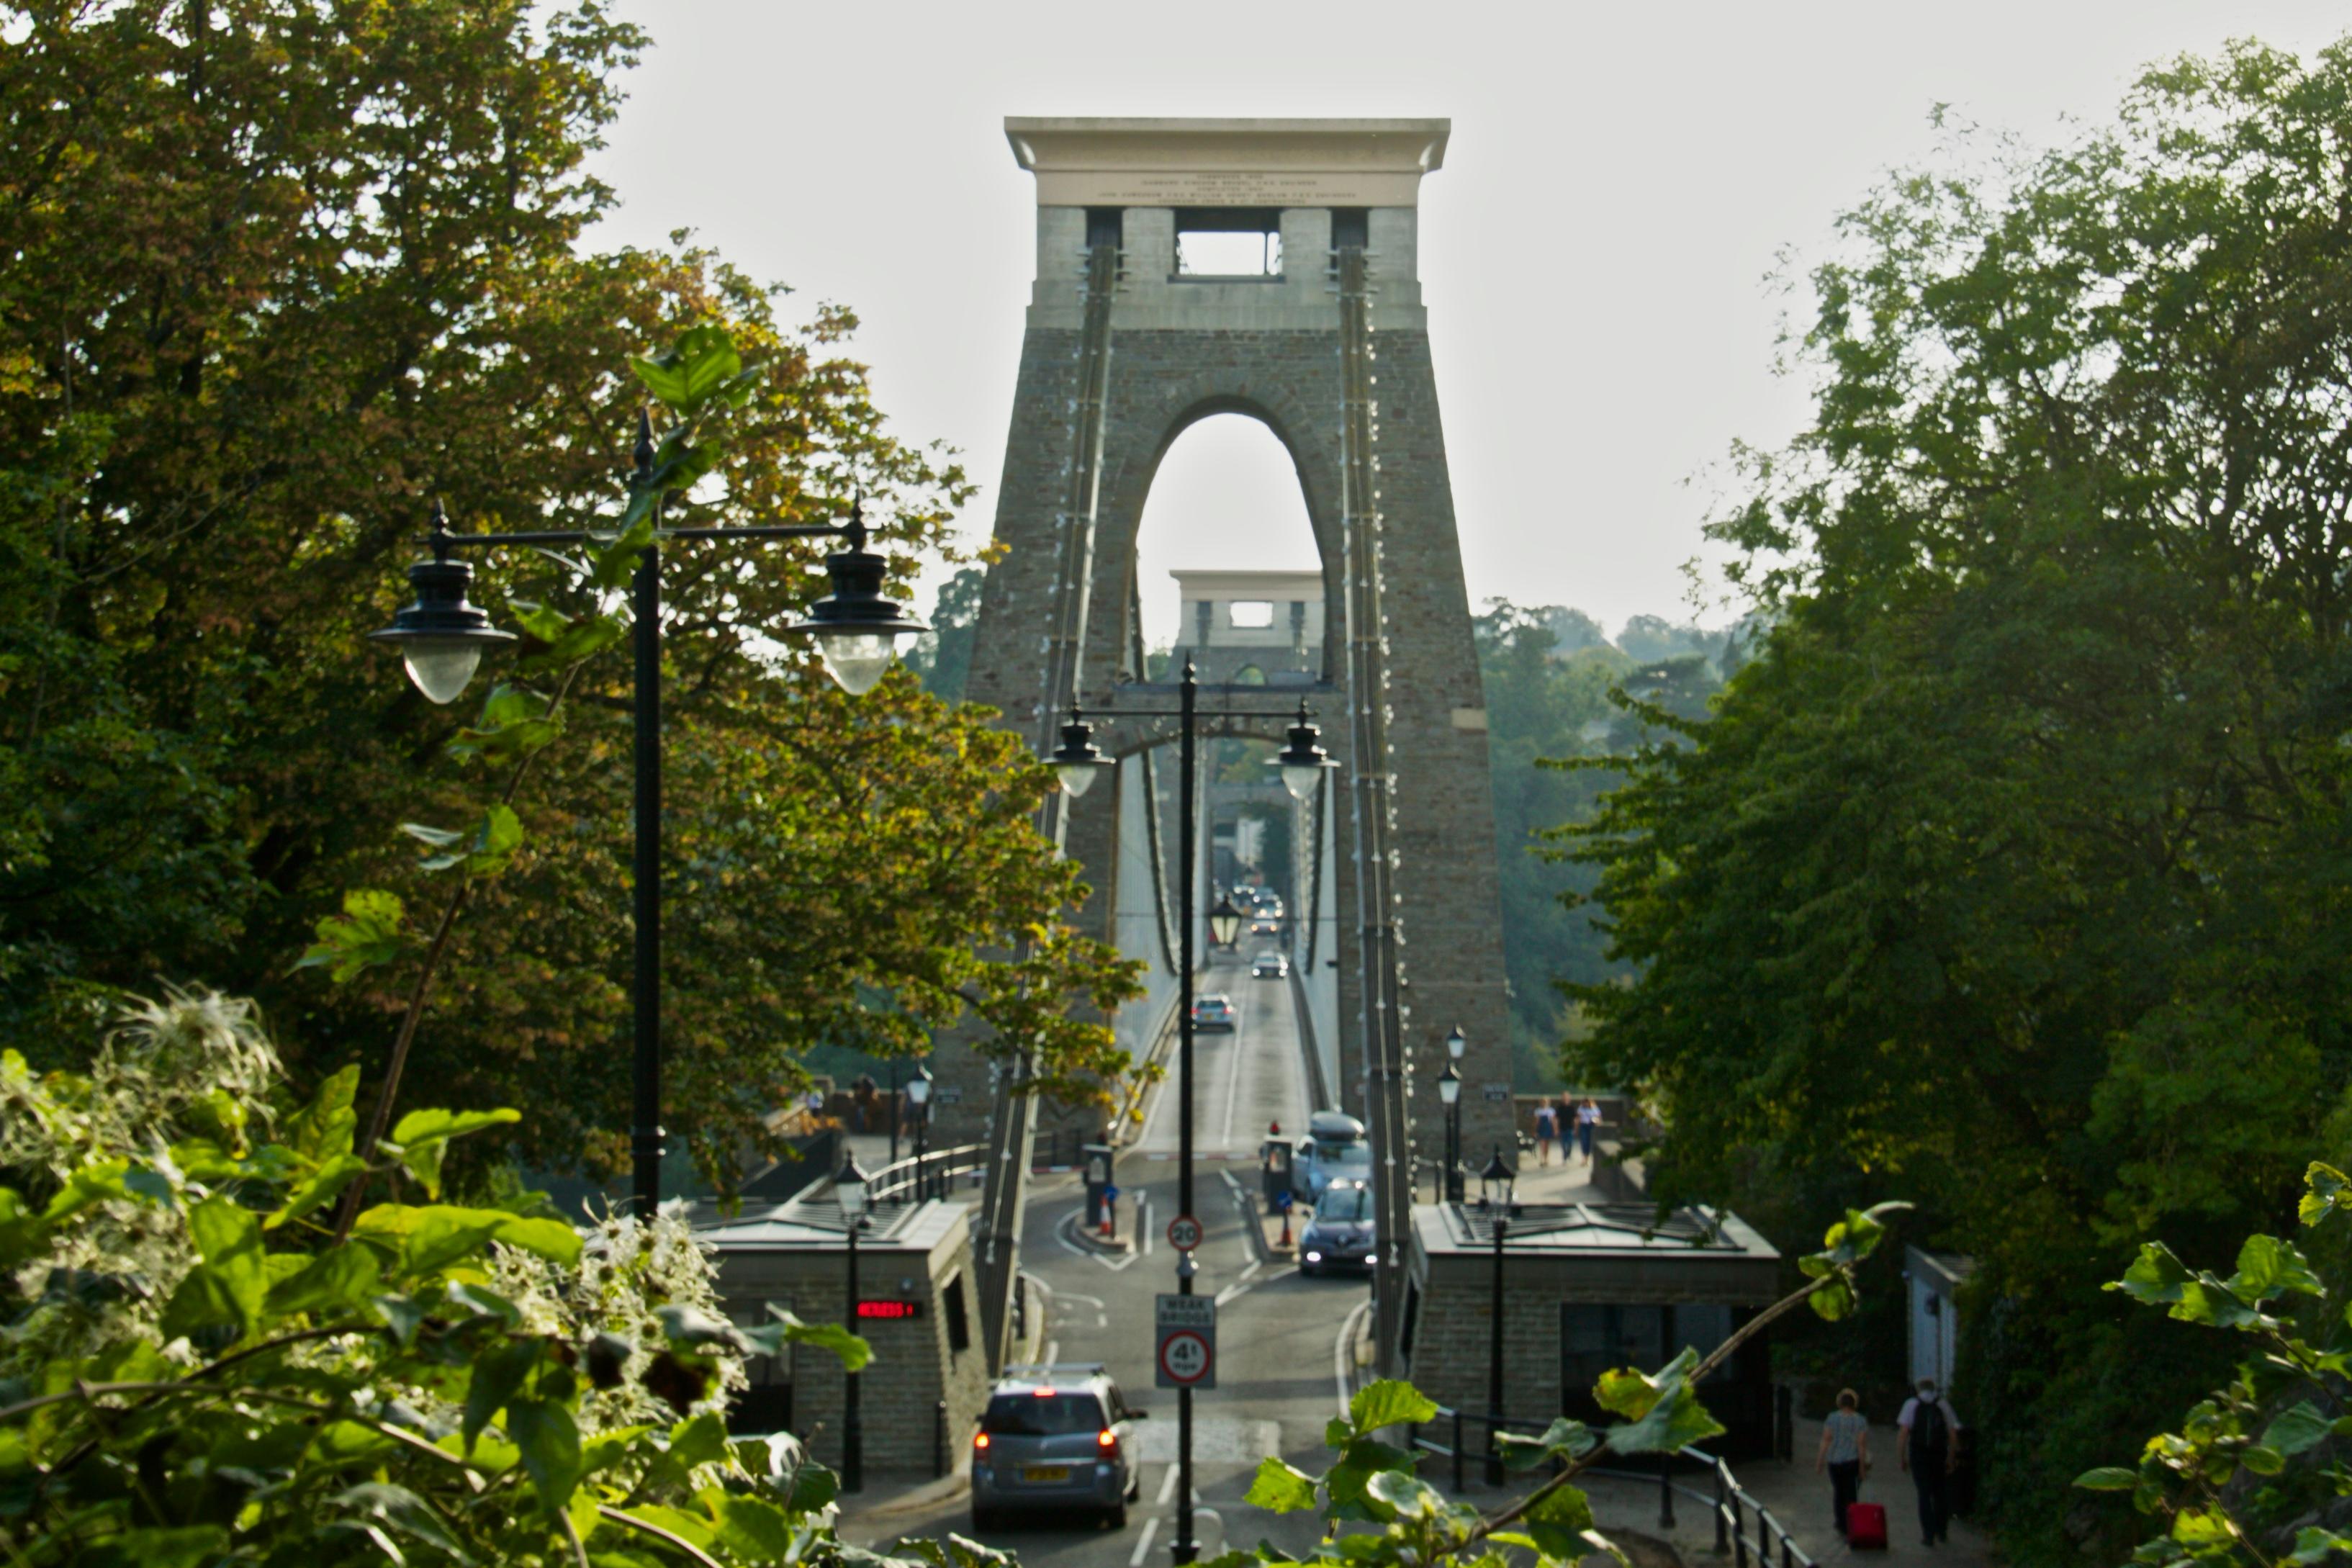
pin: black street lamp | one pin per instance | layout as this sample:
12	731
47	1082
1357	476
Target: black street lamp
1225	922
1449	1093
1078	759
442	637
919	1099
849	1188
1501	1222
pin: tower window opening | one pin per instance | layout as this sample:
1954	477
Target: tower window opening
1252	612
1350	227
1228	242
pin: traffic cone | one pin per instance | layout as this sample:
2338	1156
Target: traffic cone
1273	1130
1105	1220
1286	1228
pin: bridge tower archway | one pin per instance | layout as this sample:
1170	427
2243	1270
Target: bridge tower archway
1148	315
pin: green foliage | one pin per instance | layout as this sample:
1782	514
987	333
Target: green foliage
1552	685
185	1378
2254	1474
2010	871
942	657
253	331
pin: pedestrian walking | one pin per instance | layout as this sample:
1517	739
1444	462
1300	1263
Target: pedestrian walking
1546	1128
1927	1444
1844	1453
1588	1126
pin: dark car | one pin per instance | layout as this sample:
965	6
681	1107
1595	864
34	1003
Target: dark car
1341	1233
1212	1014
1265	925
1055	1438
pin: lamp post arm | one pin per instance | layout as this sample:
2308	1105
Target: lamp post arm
541	536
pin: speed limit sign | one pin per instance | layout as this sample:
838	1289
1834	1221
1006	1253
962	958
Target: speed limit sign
1183	1233
1187	1354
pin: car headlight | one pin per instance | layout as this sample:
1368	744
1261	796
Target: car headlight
1313	1258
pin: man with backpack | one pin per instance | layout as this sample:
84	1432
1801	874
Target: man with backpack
1926	1444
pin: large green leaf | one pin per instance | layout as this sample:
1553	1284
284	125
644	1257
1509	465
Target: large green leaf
498	1375
422	1138
1280	1487
482	850
549	1436
338	1280
365	935
1388	1403
229	1238
323	1128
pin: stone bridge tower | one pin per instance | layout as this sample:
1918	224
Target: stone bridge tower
1186	268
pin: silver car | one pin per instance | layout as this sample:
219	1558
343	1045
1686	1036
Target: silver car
1055	1439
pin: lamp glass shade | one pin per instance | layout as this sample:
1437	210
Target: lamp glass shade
1077	777
919	1087
849	1190
857	659
1301	779
1454	1045
1224	922
442	668
1449	1085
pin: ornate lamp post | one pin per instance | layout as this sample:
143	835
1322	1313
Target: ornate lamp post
1078	759
849	1189
1449	1094
918	1098
442	637
1225	922
1495	1184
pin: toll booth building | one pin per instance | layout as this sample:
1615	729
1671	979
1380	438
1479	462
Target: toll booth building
917	1305
1587	1288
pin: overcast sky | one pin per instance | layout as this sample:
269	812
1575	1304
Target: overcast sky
1594	254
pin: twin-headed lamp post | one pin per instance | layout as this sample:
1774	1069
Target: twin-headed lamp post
1303	763
443	635
1495	1184
1449	1094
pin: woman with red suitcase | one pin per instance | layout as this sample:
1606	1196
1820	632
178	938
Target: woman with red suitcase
1844	1453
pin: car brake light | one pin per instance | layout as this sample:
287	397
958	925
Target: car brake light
1108	1440
979	1440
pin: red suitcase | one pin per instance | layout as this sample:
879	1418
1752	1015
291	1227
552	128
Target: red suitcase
1865	1526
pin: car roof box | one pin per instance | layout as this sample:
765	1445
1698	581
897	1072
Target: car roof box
1334	1124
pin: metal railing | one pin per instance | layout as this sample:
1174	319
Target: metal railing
1749	1532
927	1175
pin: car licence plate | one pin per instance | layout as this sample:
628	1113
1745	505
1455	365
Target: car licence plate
1045	1473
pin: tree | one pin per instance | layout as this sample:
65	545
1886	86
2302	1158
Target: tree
945	659
2011	869
275	279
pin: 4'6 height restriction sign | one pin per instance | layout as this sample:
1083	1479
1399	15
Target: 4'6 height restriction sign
1187	1343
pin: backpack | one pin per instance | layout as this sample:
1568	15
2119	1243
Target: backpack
1930	1433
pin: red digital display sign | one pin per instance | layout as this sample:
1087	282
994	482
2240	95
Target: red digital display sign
889	1309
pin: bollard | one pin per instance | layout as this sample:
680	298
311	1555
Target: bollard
939	1439
1458	1453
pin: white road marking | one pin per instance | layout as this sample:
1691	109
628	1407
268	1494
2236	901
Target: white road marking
1052	1352
1095	1301
1167	1487
1245	1286
1143	1220
1255	1264
1143	1542
1234	1071
1342	1351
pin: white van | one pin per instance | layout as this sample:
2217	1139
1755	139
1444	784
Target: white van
1334	1149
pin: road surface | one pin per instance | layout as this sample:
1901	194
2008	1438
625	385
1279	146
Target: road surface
1280	1374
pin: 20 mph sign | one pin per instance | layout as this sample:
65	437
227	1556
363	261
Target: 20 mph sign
1183	1233
1187	1357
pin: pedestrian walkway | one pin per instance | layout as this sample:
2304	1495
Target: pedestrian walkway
1800	1500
